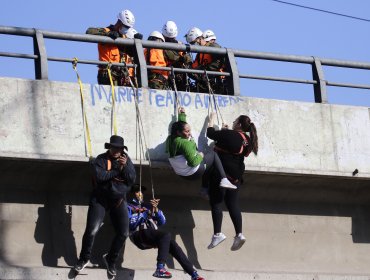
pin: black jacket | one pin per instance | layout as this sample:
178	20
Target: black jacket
114	183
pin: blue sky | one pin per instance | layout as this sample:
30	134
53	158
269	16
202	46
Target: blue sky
257	25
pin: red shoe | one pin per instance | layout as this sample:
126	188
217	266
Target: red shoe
198	278
162	273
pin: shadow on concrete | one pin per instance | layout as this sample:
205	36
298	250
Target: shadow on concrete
54	230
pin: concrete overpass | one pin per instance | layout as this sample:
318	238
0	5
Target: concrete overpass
305	209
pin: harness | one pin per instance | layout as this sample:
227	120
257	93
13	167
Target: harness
242	151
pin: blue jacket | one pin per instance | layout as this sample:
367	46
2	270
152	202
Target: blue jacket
141	214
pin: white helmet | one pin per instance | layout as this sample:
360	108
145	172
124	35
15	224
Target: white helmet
157	34
209	35
130	33
127	18
193	34
170	29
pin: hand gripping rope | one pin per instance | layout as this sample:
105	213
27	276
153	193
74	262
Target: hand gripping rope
86	126
142	139
113	113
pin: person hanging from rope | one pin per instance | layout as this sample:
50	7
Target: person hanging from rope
145	218
113	176
187	161
232	146
110	52
205	61
175	58
157	79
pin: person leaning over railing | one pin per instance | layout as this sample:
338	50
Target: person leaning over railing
157	79
205	61
111	52
175	58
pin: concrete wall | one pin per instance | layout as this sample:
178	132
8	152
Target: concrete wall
305	215
42	119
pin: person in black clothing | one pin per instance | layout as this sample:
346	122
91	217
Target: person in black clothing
232	145
113	174
145	218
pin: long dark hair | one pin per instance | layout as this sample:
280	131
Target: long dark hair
248	126
177	127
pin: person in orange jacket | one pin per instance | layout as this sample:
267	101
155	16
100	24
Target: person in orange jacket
158	79
205	61
111	52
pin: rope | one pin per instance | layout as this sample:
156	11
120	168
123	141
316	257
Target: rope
217	108
177	105
86	125
113	114
142	138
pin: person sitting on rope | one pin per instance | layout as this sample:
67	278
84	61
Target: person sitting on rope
205	61
144	233
158	79
111	52
186	160
175	58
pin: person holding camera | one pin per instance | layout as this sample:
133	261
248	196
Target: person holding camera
113	176
111	52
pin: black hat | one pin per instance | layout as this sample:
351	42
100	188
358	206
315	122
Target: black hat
115	142
136	188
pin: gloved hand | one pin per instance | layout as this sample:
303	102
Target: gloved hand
113	34
138	36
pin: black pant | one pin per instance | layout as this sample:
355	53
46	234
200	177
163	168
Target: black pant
95	217
216	196
151	238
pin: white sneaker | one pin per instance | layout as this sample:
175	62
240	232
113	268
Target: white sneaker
225	183
239	241
216	239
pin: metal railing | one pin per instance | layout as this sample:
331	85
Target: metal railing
232	72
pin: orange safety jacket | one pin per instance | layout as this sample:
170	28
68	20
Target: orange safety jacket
156	58
204	59
108	52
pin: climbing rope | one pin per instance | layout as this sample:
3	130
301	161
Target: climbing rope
177	103
142	138
86	125
113	113
211	93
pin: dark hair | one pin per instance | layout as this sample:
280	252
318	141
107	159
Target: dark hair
176	127
248	126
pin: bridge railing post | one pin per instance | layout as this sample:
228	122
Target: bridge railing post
233	81
41	62
141	62
320	87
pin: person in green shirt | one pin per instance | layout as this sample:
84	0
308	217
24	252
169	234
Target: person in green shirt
185	158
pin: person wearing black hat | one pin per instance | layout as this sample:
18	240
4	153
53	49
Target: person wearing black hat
144	233
113	176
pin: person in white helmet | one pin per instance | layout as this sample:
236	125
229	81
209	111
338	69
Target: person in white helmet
175	58
204	61
110	52
158	79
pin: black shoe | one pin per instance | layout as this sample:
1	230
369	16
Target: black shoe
111	267
80	265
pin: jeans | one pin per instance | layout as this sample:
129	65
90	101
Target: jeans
119	216
151	238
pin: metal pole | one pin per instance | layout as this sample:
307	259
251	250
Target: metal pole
233	83
41	62
141	62
320	87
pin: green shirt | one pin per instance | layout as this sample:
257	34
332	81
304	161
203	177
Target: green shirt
176	145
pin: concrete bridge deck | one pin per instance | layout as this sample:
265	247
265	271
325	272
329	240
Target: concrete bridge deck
306	216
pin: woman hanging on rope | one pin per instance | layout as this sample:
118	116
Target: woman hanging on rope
185	158
232	145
